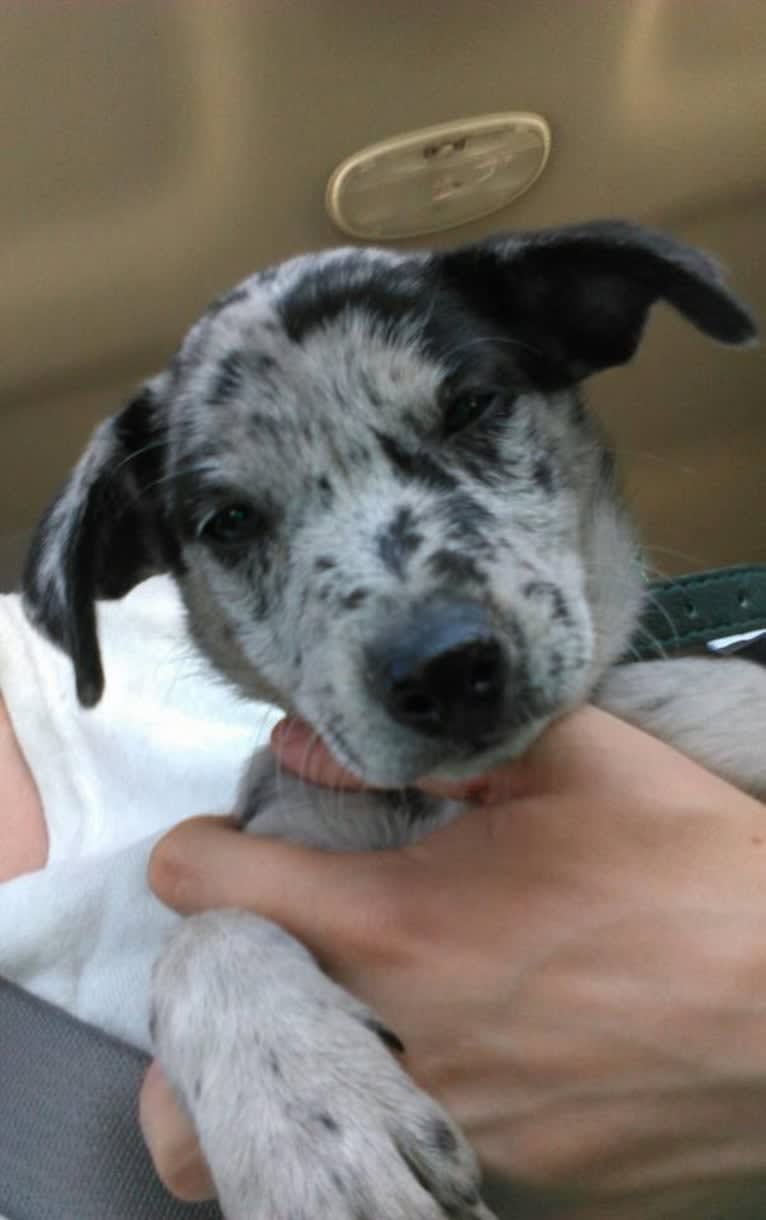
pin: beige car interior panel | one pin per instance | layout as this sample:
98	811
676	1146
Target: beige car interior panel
155	152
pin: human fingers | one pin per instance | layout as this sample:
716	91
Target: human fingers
585	751
589	753
172	1141
301	750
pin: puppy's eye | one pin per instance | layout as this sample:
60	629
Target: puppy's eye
463	409
230	526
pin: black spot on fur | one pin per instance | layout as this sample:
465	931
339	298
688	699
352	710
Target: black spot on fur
398	541
359	455
354	599
468	521
275	1067
549	591
455	566
411	420
228	379
555	663
304	601
346	287
386	1035
328	1122
543	475
264	427
412	1163
443	1138
257	552
417	465
560	608
326	492
324	563
479	452
264	364
338	1182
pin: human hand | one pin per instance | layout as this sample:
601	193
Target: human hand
577	968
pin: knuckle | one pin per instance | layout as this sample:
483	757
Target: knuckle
169	873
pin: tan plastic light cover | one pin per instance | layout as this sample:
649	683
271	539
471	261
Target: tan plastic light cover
438	177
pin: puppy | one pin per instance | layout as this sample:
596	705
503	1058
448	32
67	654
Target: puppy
387	510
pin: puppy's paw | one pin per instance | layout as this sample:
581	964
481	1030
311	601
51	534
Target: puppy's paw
372	1146
344	1134
301	1105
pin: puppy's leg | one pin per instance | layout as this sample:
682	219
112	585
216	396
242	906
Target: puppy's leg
301	1108
713	709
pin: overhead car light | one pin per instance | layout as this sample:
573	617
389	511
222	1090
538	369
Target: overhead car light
438	177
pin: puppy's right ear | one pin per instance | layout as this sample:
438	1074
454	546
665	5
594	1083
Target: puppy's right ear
106	531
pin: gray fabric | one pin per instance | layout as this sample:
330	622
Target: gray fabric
70	1146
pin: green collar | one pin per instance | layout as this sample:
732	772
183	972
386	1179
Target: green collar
703	608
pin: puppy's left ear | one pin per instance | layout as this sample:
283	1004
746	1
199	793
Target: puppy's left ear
105	532
578	297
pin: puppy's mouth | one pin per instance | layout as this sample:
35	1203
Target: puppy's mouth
415	758
502	747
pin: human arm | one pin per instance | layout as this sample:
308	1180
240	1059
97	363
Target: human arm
577	968
23	834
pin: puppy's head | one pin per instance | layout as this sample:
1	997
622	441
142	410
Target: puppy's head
373	478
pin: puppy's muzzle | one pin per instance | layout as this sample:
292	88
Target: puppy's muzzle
442	672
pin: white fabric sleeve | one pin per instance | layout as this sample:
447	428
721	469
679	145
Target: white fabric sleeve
168	740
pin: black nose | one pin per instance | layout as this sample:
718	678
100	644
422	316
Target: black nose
442	672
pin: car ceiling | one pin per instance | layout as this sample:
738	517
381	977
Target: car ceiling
157	152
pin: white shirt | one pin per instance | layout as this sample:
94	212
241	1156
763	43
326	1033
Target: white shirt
168	740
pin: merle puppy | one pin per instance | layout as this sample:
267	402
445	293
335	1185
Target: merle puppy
373	477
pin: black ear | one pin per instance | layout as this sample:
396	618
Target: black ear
104	533
578	297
